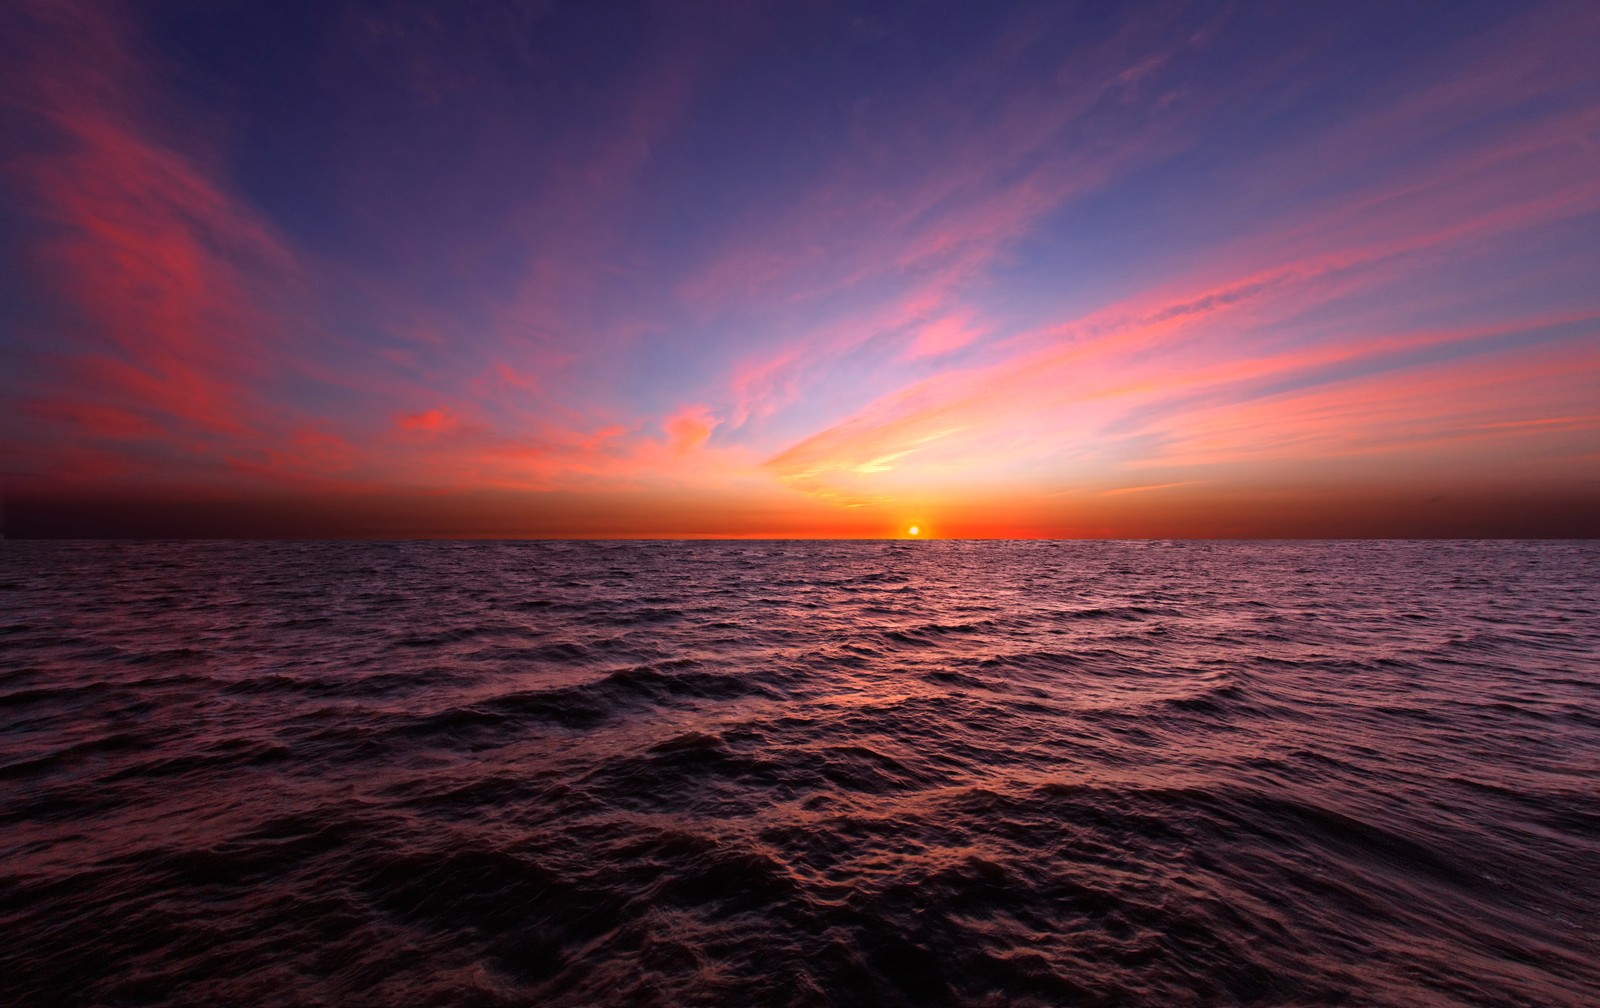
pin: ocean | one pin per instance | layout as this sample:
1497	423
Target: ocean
800	773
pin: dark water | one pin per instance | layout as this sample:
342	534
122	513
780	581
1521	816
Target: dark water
800	773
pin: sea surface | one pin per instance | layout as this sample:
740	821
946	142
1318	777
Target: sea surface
800	773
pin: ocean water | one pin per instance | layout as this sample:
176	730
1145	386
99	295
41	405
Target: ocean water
799	773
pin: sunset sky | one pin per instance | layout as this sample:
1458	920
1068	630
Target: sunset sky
800	269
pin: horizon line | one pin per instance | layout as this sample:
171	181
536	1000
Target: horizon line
763	538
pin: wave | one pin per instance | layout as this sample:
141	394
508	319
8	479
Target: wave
799	773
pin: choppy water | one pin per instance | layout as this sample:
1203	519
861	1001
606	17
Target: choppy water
800	773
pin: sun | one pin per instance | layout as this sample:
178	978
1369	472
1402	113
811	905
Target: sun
913	530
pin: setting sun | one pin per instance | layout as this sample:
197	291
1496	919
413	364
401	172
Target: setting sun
913	530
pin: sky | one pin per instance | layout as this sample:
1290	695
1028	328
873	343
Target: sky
502	269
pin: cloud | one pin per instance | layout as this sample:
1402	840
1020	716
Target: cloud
433	421
165	286
689	428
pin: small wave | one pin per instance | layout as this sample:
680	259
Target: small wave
780	773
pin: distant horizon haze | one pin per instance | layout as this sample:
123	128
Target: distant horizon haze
473	517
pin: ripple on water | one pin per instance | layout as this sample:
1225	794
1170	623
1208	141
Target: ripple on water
800	773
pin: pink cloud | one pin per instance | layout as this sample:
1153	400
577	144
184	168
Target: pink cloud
942	335
433	421
689	428
167	285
